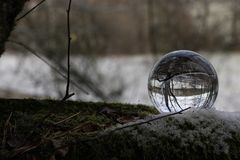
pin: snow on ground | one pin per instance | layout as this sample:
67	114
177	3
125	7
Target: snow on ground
29	75
203	132
26	75
196	127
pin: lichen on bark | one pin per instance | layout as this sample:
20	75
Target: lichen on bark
9	9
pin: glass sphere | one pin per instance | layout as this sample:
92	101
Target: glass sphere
182	79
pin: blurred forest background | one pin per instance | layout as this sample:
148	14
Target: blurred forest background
114	45
132	26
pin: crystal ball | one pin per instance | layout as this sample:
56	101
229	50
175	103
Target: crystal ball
182	79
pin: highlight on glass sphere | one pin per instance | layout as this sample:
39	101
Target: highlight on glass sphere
182	79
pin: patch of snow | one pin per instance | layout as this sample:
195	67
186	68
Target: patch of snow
29	75
203	128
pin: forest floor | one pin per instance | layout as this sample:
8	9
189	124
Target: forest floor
33	129
26	124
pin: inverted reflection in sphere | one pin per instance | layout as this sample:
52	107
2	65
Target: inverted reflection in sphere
182	79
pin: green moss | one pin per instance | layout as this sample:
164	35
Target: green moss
27	112
190	136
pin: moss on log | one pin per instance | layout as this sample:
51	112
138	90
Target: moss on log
24	132
83	130
9	9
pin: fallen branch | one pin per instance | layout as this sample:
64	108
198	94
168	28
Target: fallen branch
149	120
70	117
6	129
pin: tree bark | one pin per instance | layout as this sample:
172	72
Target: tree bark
9	9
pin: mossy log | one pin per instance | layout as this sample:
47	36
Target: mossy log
85	130
9	9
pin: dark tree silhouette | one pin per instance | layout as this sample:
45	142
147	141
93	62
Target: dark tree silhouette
9	9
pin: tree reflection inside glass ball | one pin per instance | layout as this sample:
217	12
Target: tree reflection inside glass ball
182	79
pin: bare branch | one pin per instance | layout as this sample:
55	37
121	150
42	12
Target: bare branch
54	68
5	130
150	120
70	117
69	48
28	12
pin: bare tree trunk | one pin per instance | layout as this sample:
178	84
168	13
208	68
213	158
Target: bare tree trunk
9	9
206	8
151	27
235	21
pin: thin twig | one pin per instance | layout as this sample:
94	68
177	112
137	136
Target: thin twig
54	68
70	117
5	130
28	12
69	47
150	120
67	96
23	149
